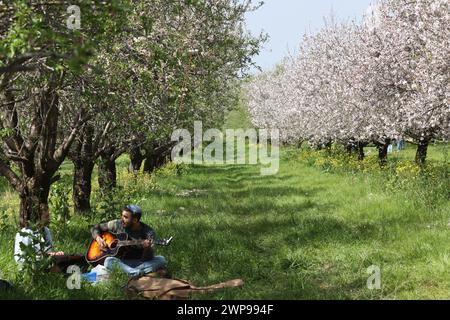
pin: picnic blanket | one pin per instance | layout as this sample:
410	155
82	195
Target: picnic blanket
151	286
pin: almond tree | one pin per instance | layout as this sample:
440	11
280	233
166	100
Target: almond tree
386	78
416	52
177	62
39	56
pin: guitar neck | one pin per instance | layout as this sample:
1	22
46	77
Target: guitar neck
139	242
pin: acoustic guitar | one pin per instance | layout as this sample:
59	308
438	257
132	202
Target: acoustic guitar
116	246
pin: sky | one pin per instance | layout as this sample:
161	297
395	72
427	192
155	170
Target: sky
285	21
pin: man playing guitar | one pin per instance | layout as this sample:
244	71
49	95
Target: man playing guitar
136	261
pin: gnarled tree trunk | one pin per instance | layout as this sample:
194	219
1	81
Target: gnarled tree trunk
422	149
136	159
83	157
383	151
33	200
154	161
361	154
37	151
107	174
82	185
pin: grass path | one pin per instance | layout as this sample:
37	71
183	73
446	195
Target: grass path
301	234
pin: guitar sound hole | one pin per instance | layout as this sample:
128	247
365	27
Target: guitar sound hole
113	244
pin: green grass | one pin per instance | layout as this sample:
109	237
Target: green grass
238	118
300	234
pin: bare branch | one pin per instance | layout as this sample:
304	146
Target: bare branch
10	175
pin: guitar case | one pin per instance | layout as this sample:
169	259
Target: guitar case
151	286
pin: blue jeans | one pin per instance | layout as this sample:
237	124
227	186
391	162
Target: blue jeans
136	267
400	145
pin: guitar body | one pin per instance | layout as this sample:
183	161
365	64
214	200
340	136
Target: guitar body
97	255
117	245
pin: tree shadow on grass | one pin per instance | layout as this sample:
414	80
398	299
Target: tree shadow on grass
218	169
269	191
286	230
237	172
266	207
326	230
239	181
251	250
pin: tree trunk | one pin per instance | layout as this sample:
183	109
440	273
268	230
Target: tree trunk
361	154
351	146
136	159
348	149
383	152
33	202
83	159
421	153
327	146
82	185
153	161
38	145
107	174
